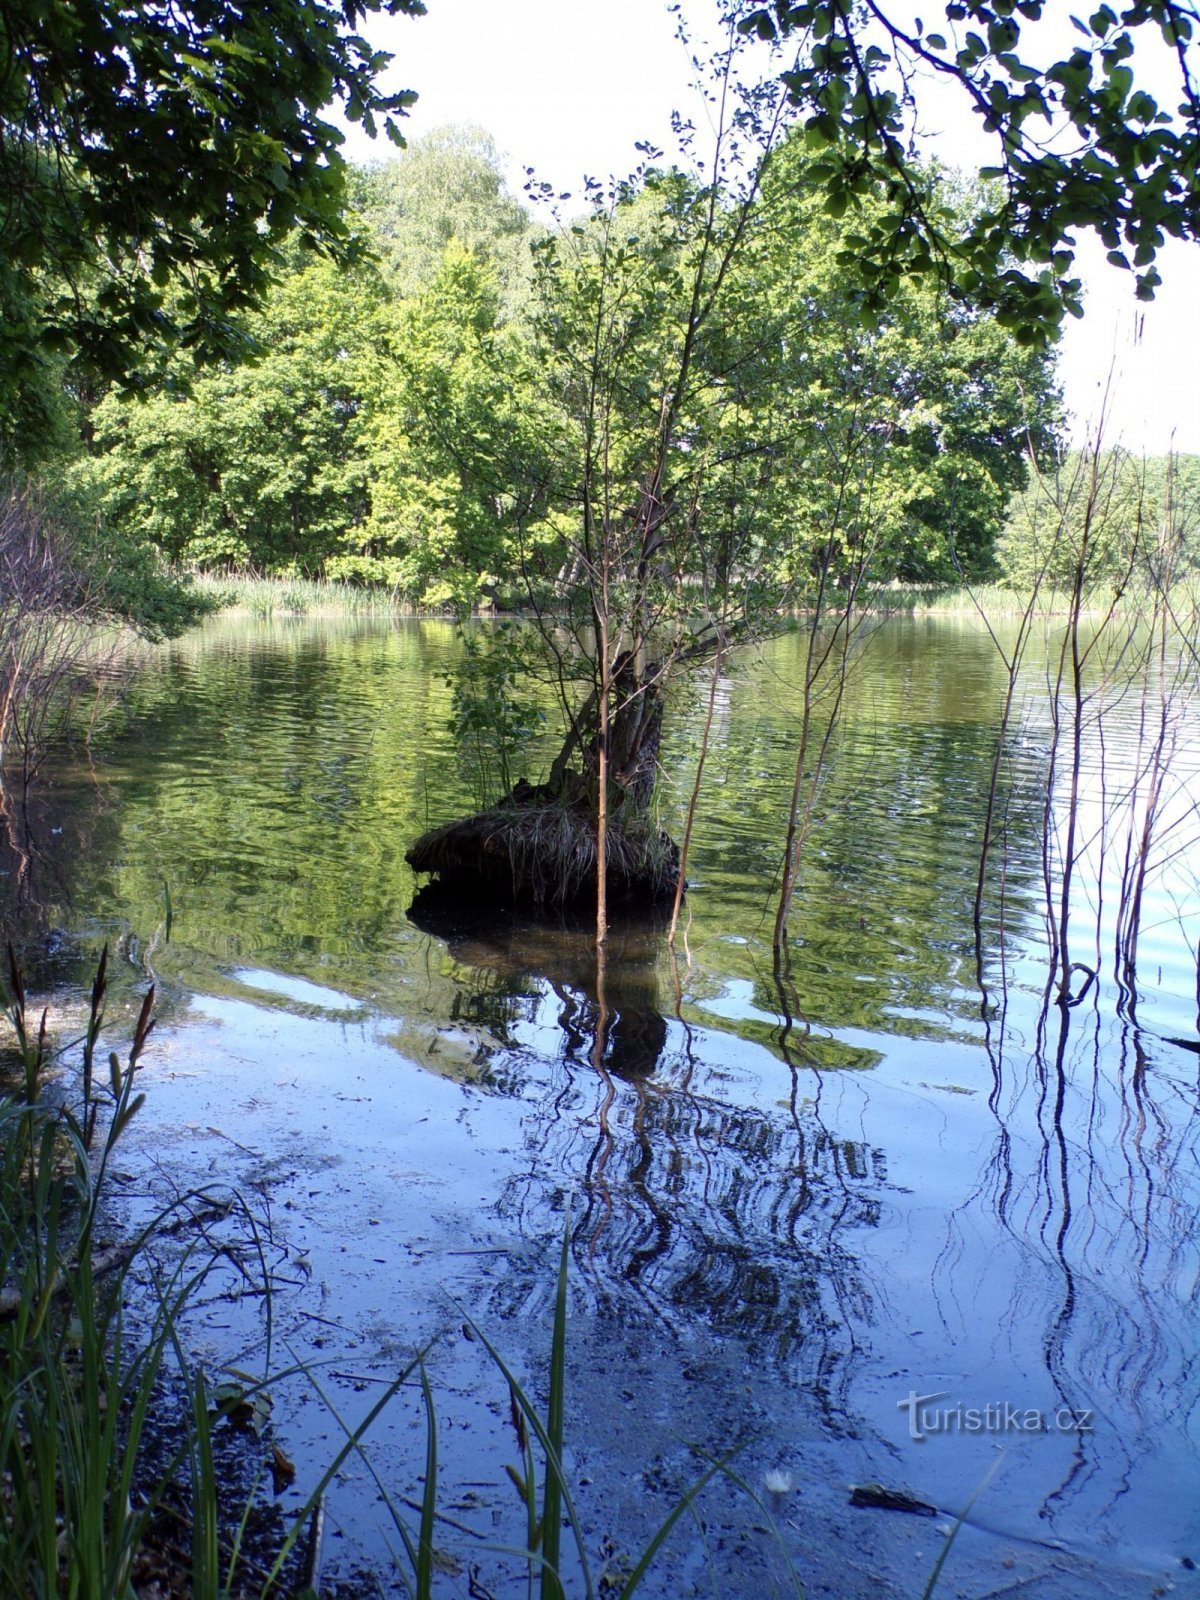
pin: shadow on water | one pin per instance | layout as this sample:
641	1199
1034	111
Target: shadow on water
610	1016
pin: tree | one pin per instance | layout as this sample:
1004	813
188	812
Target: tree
446	185
380	440
734	440
452	443
1080	142
153	160
622	300
1119	521
257	463
923	412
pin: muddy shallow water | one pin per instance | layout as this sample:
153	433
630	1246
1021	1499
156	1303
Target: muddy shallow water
866	1224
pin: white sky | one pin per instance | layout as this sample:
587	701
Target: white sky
569	86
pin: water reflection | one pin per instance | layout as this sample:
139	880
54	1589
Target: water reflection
852	1176
692	1204
609	1010
1088	1182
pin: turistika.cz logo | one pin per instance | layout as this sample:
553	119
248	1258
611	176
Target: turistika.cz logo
927	1419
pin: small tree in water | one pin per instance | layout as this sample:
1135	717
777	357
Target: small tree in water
628	578
732	438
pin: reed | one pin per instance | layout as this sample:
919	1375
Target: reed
542	1483
75	1390
1099	599
265	596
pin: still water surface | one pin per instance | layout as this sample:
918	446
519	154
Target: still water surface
793	1207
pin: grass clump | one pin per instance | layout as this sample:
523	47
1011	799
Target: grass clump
74	1395
995	600
107	1489
283	596
103	1496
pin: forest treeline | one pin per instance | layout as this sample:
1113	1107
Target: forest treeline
410	418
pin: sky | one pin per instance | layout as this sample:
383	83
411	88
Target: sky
568	87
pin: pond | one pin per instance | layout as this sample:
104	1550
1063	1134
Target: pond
866	1222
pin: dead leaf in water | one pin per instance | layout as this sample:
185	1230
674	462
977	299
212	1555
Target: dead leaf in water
283	1470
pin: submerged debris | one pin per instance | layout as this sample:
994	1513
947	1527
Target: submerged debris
881	1499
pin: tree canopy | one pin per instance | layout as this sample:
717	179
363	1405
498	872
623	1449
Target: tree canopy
446	185
407	432
378	436
153	159
1080	141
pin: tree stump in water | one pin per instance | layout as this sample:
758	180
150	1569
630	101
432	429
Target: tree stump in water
537	847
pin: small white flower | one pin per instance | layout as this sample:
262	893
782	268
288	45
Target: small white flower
778	1482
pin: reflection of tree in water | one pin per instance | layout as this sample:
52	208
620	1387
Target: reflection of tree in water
59	841
1092	1178
692	1207
883	901
1092	1172
42	842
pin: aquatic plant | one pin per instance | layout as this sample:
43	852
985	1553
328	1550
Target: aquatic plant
540	1478
265	596
1118	636
75	1393
97	1494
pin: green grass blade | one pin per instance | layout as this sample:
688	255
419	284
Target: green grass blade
428	1494
353	1442
206	1561
552	1588
398	1522
944	1553
239	1536
665	1527
553	1458
740	1483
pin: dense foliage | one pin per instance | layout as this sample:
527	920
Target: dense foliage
412	420
371	378
1079	139
448	186
153	161
1112	516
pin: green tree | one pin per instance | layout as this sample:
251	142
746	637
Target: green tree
789	417
259	463
1122	518
153	162
735	438
917	419
1127	168
446	185
452	443
374	439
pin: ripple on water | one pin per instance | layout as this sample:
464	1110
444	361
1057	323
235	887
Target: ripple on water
822	1188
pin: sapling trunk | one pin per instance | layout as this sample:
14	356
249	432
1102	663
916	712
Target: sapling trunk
817	656
1073	651
1012	665
693	798
602	792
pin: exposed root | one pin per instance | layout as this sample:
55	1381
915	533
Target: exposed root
542	851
